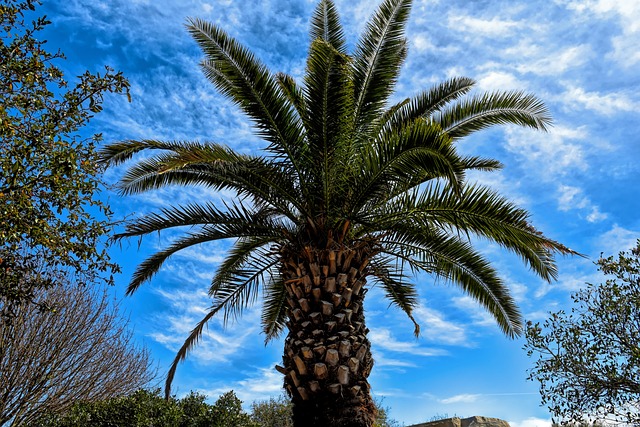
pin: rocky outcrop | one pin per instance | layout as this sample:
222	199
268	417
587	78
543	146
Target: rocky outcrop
465	422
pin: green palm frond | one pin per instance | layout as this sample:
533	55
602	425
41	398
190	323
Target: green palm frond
231	299
398	291
325	25
406	187
456	261
235	222
234	219
119	152
241	253
253	271
427	102
328	93
416	153
215	166
240	76
479	112
192	341
274	312
293	93
378	58
482	212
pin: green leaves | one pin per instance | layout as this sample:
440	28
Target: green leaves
325	25
587	362
377	60
482	111
49	177
237	74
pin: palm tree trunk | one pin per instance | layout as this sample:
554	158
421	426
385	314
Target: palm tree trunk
327	356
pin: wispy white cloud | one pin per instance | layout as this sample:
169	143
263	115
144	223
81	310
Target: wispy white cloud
549	155
573	198
460	398
607	103
499	80
531	422
627	13
493	27
554	63
382	338
436	328
617	239
184	308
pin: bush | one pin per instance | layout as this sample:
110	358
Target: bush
146	408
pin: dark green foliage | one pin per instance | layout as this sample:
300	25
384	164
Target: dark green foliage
588	362
272	413
49	174
276	412
146	408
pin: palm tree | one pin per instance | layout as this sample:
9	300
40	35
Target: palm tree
349	192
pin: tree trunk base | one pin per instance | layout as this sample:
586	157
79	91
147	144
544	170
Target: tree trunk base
334	411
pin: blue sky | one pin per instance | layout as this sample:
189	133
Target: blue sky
579	181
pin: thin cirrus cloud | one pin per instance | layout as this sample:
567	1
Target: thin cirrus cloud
571	197
382	338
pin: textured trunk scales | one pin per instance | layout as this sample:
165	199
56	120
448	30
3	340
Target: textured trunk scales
327	354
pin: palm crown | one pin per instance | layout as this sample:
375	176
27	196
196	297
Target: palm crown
344	172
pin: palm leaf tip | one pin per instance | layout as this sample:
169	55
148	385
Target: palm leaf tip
325	25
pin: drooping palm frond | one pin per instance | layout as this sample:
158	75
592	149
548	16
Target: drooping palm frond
456	261
479	112
398	290
247	273
235	222
193	339
274	313
478	211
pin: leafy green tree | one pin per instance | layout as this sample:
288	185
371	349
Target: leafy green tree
350	190
275	412
382	418
49	174
588	361
147	408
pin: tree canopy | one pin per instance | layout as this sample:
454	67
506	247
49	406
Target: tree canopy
145	408
588	360
49	173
